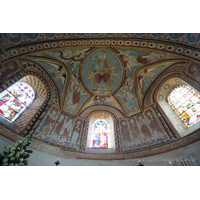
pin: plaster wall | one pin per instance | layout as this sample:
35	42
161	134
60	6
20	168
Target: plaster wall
38	158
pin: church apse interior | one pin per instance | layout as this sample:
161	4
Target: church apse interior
101	97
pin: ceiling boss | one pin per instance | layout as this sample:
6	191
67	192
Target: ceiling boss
102	72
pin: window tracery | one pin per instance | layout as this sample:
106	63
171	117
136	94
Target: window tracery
186	103
15	100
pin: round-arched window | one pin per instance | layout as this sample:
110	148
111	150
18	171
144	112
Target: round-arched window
15	99
186	103
100	134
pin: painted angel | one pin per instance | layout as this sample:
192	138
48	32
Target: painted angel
58	74
74	57
108	100
145	78
128	84
153	57
130	61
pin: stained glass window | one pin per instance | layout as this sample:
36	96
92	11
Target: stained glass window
100	134
15	99
186	103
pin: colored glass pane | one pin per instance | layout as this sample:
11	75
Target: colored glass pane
186	103
14	100
100	134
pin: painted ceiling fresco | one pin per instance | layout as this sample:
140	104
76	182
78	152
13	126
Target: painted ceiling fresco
117	77
16	38
107	72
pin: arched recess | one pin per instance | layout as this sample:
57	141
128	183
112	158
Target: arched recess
176	71
92	116
162	100
140	72
28	119
41	96
29	66
176	68
180	71
65	71
93	120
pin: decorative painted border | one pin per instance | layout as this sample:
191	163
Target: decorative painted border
175	48
118	114
186	38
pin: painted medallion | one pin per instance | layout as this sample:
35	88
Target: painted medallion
102	73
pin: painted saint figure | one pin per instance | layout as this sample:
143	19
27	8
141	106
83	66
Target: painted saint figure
154	125
76	133
48	123
145	78
101	74
56	129
66	131
125	134
134	132
75	94
144	129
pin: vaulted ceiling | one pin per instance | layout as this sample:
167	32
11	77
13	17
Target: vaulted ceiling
112	71
132	60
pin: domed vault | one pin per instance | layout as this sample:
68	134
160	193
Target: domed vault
124	76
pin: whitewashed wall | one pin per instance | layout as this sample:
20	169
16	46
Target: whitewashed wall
43	159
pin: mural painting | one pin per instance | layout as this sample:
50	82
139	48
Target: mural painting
125	134
53	135
102	72
147	136
57	73
154	125
127	98
66	131
77	130
107	101
175	36
193	70
60	129
8	69
46	126
76	95
193	37
134	59
147	76
32	36
135	134
13	37
142	130
70	57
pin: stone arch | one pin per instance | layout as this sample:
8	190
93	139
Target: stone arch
177	70
27	120
162	103
83	145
